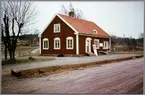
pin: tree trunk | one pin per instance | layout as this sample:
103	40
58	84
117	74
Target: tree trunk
6	53
13	54
10	53
14	45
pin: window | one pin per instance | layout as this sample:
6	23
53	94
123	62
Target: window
69	43
105	46
101	44
88	45
45	43
96	42
57	43
94	31
56	28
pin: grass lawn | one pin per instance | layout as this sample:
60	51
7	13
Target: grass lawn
127	52
22	51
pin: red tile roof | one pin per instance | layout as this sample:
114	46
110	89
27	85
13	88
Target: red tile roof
84	26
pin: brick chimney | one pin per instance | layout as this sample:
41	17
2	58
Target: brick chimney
71	13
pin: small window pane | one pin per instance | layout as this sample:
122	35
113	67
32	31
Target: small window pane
96	42
45	44
56	27
106	44
56	43
69	43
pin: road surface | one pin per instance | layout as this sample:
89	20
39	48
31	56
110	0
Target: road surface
120	77
63	61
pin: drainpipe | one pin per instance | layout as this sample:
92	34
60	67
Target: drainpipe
40	44
77	43
110	43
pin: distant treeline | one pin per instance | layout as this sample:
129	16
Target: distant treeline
127	43
126	40
28	36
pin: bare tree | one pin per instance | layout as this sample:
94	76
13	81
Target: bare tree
36	31
140	40
17	15
64	10
141	35
4	41
77	13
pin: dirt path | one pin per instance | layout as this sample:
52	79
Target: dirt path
122	77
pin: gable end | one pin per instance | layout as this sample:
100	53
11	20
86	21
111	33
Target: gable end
76	32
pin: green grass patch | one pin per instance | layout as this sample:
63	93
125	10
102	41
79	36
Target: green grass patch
127	52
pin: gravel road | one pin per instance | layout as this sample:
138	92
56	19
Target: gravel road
63	61
120	77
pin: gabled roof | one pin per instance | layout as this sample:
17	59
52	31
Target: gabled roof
81	26
84	26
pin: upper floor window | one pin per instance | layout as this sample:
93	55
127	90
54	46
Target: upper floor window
96	42
105	46
57	43
69	43
94	31
45	43
56	28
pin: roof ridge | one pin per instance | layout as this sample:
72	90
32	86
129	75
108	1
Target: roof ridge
76	18
78	25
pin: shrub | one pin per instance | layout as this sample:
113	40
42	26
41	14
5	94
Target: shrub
31	58
60	55
86	54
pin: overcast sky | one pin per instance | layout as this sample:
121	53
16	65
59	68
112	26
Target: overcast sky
116	18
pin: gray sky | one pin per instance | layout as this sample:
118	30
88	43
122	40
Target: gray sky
115	17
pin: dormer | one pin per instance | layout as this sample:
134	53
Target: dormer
95	31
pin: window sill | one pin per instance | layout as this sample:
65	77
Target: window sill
45	48
105	48
56	32
56	48
69	48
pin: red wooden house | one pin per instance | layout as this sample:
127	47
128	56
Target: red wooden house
69	35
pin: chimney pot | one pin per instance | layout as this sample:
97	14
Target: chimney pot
71	13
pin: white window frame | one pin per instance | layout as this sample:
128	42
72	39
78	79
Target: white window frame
59	43
69	38
105	45
56	25
86	42
97	46
45	39
95	31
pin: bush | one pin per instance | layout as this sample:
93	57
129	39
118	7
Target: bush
31	58
60	55
86	54
101	53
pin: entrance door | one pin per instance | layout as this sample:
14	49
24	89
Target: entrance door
88	45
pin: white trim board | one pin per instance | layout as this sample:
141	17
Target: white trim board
93	35
40	45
